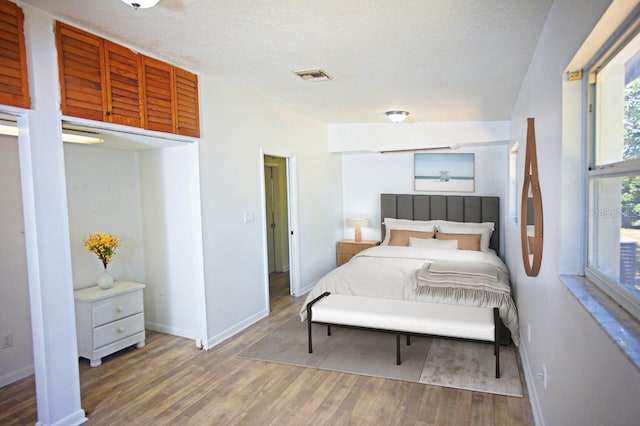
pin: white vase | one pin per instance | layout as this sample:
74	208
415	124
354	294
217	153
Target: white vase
105	281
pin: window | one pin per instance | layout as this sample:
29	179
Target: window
613	252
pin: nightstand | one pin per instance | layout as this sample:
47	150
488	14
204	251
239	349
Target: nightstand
346	249
109	320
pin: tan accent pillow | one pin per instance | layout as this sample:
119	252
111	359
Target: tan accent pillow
400	237
465	241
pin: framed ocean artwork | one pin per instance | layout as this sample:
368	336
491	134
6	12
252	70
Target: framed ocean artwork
444	172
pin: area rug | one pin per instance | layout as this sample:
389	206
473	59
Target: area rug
441	362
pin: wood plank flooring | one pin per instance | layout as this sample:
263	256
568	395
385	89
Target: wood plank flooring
171	382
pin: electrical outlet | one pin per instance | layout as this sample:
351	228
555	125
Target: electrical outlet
543	376
7	340
528	333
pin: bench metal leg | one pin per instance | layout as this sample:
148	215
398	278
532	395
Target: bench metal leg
309	319
408	340
309	329
497	350
398	361
328	330
496	340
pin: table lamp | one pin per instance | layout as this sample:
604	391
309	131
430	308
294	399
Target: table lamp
358	222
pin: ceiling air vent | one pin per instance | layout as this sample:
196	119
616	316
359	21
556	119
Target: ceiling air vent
313	75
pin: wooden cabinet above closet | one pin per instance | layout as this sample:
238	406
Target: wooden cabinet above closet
124	94
80	65
101	80
14	81
186	103
158	89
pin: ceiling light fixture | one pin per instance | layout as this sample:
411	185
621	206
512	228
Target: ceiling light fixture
397	116
141	4
76	136
313	75
10	128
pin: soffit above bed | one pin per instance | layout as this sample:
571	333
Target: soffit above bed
387	137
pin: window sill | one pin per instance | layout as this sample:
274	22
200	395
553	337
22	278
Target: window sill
622	327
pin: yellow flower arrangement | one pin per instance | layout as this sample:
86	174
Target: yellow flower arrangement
103	245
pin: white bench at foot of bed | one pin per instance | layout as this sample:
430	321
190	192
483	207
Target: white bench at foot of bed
404	317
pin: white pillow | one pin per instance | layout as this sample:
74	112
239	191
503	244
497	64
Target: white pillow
433	243
485	229
411	225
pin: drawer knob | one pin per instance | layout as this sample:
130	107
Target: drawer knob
121	329
119	309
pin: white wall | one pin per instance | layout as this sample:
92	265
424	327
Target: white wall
171	225
46	226
367	175
590	381
103	195
16	362
237	128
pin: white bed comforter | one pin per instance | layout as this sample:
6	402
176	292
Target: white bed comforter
392	272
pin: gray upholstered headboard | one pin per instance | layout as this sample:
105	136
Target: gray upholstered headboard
444	207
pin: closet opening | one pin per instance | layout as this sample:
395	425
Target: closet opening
144	190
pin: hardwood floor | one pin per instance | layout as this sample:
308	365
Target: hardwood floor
171	382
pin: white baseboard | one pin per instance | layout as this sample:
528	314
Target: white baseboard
236	328
530	380
14	376
76	418
174	331
306	289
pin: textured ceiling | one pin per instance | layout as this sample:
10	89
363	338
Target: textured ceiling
441	60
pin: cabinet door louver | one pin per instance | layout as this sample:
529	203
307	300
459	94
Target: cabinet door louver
123	85
158	79
186	103
80	65
14	82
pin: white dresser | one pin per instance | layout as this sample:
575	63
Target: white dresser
109	320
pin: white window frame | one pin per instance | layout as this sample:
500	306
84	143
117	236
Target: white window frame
609	170
513	183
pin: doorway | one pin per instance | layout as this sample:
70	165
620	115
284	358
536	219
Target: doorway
277	226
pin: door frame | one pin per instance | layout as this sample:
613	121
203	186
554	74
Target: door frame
292	211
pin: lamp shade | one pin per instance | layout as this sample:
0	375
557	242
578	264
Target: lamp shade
357	222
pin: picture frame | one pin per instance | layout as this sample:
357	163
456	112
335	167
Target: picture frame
444	172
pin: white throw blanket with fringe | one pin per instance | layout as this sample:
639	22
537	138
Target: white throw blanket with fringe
399	273
465	275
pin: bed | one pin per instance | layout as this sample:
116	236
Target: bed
416	263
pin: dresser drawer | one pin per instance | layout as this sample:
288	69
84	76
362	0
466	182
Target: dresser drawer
116	308
117	330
